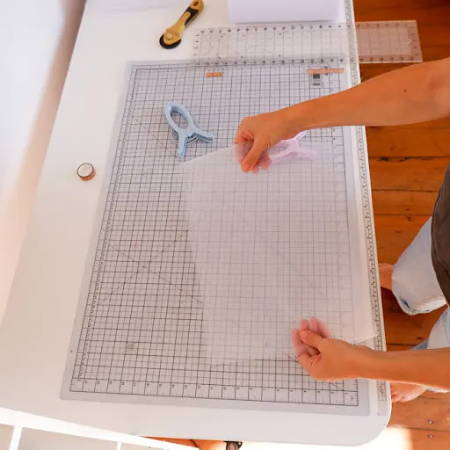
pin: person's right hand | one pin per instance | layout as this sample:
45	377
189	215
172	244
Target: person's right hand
330	359
262	132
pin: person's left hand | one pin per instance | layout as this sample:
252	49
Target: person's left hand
325	358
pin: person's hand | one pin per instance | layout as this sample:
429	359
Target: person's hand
330	359
314	325
257	134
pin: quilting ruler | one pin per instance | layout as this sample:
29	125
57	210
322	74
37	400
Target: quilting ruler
378	42
395	41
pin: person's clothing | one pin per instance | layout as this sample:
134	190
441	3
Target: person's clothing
439	338
440	237
421	276
439	334
422	346
414	281
416	288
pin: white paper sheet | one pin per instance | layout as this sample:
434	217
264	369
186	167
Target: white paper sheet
271	249
246	11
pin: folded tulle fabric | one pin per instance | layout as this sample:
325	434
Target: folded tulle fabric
269	249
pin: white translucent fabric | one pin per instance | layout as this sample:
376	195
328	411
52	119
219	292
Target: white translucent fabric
270	249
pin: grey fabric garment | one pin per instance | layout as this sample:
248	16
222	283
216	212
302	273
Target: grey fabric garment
414	281
440	237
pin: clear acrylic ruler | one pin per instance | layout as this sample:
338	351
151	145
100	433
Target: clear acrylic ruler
394	41
378	42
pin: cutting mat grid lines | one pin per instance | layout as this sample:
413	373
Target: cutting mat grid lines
141	324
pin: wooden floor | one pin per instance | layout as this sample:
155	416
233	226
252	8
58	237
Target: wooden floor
407	165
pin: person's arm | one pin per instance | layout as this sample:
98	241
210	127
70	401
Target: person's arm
337	360
413	94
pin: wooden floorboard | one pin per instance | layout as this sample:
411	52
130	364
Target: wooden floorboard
408	141
408	173
394	234
403	203
407	165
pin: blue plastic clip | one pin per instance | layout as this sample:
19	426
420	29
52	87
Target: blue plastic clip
187	134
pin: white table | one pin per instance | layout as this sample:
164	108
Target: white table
36	331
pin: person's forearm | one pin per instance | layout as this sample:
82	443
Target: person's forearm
426	367
413	94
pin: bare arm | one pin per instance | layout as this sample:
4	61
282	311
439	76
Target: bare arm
336	359
427	367
413	94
